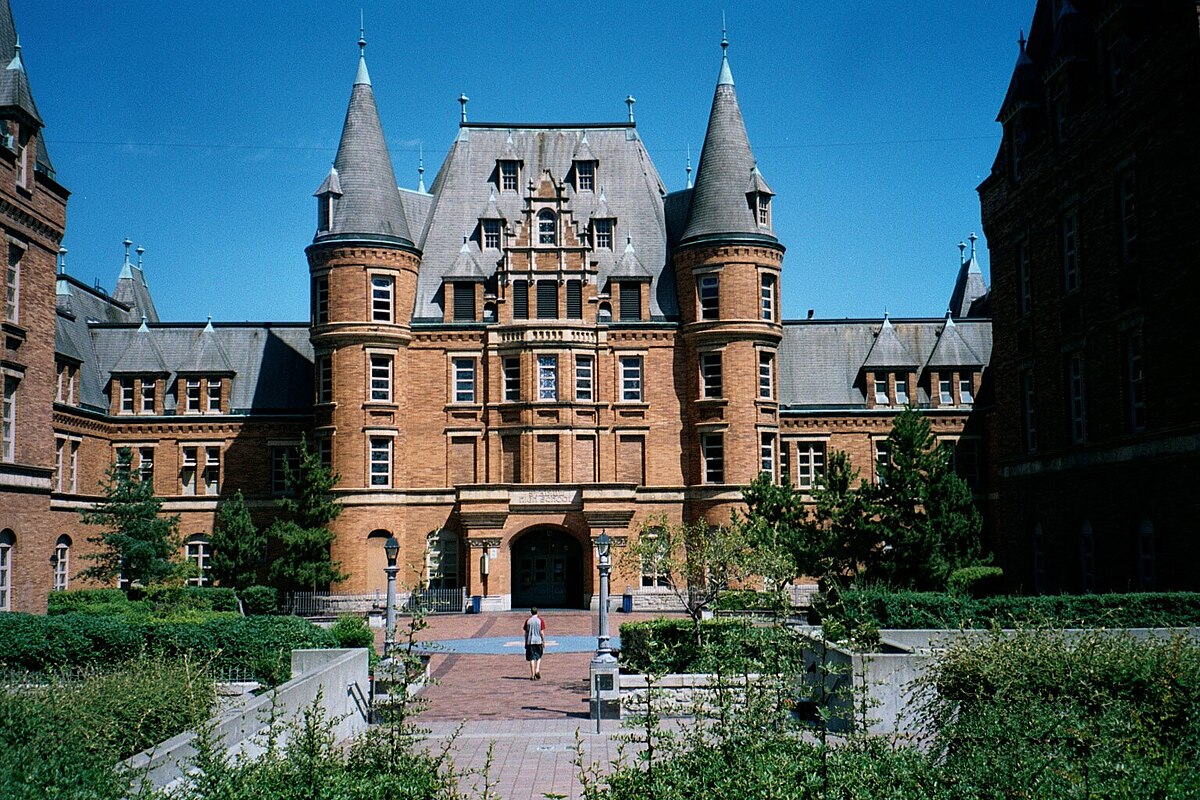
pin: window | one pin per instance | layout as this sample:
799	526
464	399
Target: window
65	392
604	313
320	299
66	460
712	450
124	461
148	386
709	288
710	375
1070	252
187	469
883	461
768	297
212	470
61	562
381	379
785	461
965	461
382	294
508	176
325	451
881	390
491	234
764	209
441	562
900	385
810	463
192	395
631	378
464	301
1029	410
547	299
766	370
73	466
324	211
520	299
126	388
574	299
966	391
945	396
583	379
1075	398
512	379
381	460
146	465
585	176
1127	188
7	540
464	380
547	377
653	575
631	301
324	379
214	395
284	459
1087	557
8	420
1024	280
489	312
1135	381
60	446
22	165
12	284
547	227
767	453
198	551
604	234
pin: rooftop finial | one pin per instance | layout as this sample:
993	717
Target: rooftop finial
972	237
139	251
1021	40
724	38
127	243
363	77
689	166
962	253
62	260
362	34
462	101
421	168
629	101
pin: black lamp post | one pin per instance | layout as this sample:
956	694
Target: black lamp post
391	548
604	563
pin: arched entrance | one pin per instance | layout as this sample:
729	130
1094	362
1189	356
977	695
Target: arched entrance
547	569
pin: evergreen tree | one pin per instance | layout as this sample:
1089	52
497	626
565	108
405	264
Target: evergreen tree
842	537
237	544
303	534
134	542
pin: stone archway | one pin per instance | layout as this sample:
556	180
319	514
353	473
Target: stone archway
547	569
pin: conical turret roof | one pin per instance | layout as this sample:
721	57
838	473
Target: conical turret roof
369	207
1024	90
14	83
727	166
968	287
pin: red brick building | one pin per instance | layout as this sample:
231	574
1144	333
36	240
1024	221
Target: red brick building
544	345
1090	217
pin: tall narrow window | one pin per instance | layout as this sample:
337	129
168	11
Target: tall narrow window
491	234
768	297
547	377
320	298
764	209
574	299
381	379
12	284
62	564
127	388
712	451
148	386
508	176
8	420
441	565
124	461
325	450
766	449
324	379
72	485
212	470
604	234
1070	252
709	289
520	297
631	378
966	391
1029	410
381	461
883	461
198	551
1075	398
284	459
900	386
1135	381
383	289
22	165
464	301
585	176
631	301
464	380
192	395
547	299
1127	186
766	375
512	379
945	392
1024	280
584	392
881	390
213	390
710	375
7	540
146	465
187	469
810	464
60	448
547	226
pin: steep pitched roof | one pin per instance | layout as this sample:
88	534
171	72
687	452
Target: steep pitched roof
466	267
141	354
370	206
14	82
629	266
726	173
952	349
968	286
206	355
133	291
888	350
1024	89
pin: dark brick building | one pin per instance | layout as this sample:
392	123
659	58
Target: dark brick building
1090	216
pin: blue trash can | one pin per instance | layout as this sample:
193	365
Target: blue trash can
476	604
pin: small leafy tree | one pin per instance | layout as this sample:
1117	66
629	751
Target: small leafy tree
135	541
237	544
303	534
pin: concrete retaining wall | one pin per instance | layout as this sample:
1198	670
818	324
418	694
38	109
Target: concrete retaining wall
338	677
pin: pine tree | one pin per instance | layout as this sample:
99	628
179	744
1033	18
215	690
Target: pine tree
237	544
303	534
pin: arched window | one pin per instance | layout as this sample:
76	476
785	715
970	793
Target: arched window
61	562
1146	577
198	551
1087	557
547	227
489	312
7	541
604	313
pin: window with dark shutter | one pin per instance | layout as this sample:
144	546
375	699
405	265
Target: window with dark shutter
464	302
574	300
547	300
631	301
520	300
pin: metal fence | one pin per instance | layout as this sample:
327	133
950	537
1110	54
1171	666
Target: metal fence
325	604
436	601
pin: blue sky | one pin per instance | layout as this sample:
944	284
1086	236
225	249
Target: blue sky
201	129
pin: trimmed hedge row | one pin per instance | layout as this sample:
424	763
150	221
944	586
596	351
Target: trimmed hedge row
261	645
158	601
885	608
730	645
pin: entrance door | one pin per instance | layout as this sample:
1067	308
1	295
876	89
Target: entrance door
547	570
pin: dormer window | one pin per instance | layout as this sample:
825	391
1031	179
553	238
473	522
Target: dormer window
585	176
762	208
509	174
491	234
547	227
324	212
604	234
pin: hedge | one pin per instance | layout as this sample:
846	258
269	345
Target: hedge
261	645
750	600
669	646
884	608
158	601
259	600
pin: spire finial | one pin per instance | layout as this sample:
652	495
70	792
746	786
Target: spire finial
972	237
462	101
689	166
1021	40
724	38
362	35
962	253
62	260
127	243
629	101
139	251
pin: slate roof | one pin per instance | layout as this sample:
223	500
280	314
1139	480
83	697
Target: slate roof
820	361
14	82
887	349
206	356
632	189
133	291
952	350
139	354
969	288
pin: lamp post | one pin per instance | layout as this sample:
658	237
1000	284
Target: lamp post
604	563
604	671
391	548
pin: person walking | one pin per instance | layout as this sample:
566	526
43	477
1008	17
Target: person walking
535	643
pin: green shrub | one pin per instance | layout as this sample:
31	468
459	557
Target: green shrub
259	600
749	600
976	581
352	630
669	646
88	601
167	600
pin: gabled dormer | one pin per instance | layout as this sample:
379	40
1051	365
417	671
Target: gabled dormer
508	168
327	196
491	226
953	370
629	282
584	167
462	285
759	198
603	225
889	369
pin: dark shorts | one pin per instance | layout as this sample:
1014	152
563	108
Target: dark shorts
533	652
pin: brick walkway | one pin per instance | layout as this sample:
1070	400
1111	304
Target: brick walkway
530	725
